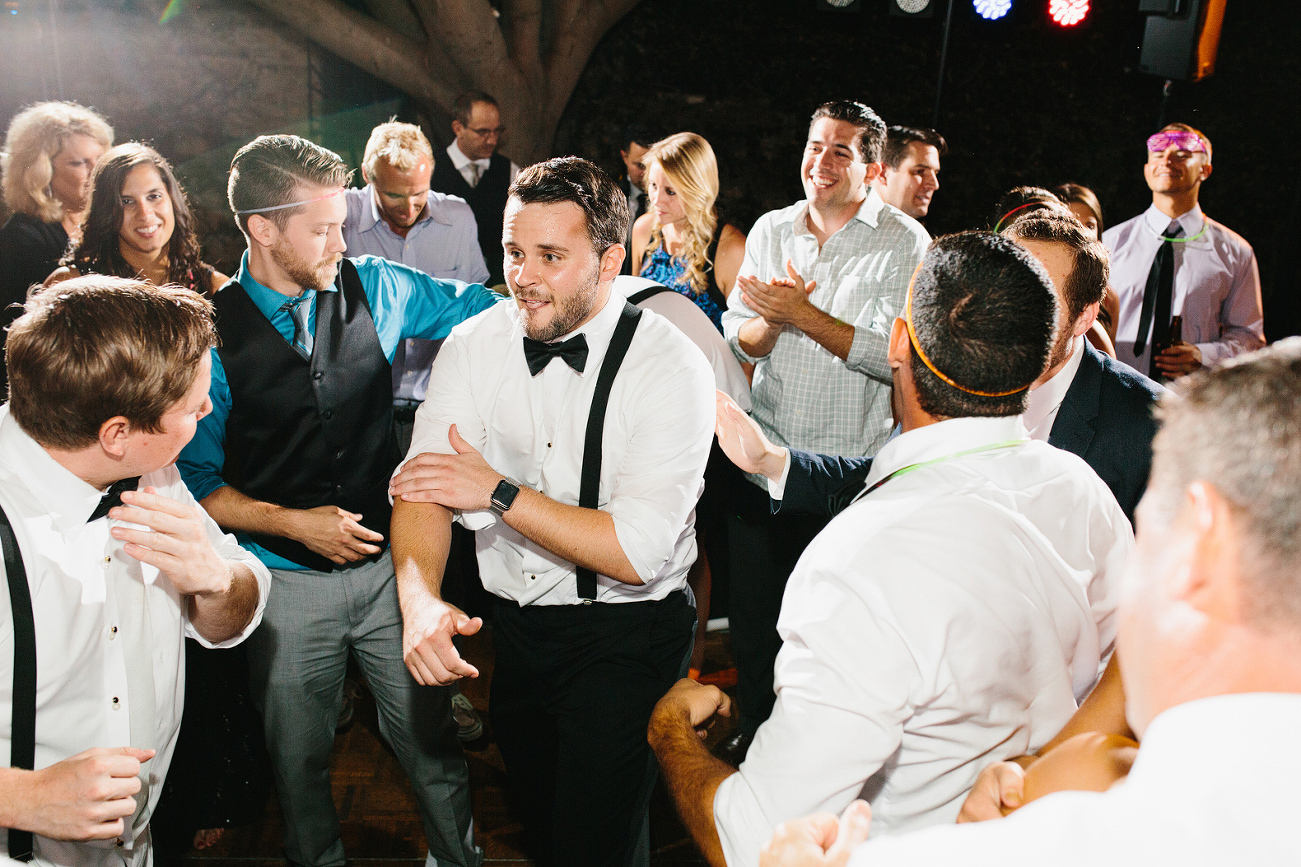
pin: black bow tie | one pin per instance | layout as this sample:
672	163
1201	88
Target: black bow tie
539	354
113	497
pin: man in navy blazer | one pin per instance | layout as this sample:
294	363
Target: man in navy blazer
1086	402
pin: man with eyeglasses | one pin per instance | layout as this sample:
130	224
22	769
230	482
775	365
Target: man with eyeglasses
475	171
1174	261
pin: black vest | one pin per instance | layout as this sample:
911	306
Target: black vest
487	200
304	434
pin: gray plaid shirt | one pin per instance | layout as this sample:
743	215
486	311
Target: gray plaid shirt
804	396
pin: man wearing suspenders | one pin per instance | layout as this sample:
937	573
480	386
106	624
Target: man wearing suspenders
571	431
110	565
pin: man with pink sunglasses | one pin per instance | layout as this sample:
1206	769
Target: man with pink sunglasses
1188	287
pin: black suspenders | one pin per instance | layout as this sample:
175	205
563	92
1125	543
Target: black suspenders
589	487
22	742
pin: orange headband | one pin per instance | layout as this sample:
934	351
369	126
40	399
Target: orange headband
917	345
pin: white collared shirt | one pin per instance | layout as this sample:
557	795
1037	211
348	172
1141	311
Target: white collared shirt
73	568
804	396
1043	401
948	619
1214	784
531	429
1216	285
462	164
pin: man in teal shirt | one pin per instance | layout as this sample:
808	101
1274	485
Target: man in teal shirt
295	458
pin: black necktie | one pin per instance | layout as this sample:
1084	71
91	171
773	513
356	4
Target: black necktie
113	497
1154	319
539	354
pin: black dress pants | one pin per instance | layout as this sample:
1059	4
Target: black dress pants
764	549
572	694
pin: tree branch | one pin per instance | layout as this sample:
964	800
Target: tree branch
469	33
365	42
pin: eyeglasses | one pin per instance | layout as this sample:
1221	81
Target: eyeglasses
1180	139
484	131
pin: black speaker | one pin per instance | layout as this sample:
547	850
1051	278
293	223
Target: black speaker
913	8
1181	42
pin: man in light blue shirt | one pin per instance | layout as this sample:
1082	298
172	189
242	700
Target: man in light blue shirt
296	458
398	217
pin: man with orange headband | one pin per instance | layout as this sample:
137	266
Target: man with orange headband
1174	261
954	613
295	458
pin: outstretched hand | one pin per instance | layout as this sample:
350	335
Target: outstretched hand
743	442
427	646
819	840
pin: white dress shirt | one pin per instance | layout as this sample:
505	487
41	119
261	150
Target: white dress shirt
1216	285
1044	400
658	430
1215	784
951	618
688	318
462	164
804	396
79	577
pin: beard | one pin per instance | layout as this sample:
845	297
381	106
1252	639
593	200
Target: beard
567	311
307	276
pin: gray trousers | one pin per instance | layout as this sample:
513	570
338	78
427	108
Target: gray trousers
297	661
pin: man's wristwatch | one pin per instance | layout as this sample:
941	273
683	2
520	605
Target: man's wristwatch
503	496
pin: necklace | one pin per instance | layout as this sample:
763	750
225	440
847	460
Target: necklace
1164	237
903	471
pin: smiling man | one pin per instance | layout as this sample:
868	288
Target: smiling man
910	169
1173	260
397	216
820	286
571	432
296	457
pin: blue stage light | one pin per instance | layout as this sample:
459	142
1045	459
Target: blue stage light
992	9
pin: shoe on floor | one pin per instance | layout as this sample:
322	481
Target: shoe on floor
469	725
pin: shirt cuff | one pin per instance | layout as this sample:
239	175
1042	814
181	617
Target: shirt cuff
777	489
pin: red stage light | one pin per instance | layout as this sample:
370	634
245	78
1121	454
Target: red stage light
1068	13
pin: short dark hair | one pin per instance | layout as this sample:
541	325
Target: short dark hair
984	313
272	170
871	129
1021	202
1090	261
573	179
91	348
466	102
100	248
1210	149
897	139
639	133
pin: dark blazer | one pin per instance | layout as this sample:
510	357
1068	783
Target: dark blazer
1106	418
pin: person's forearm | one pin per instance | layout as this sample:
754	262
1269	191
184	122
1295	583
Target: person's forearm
219	617
1102	711
421	536
235	512
757	337
833	335
584	537
692	776
16	807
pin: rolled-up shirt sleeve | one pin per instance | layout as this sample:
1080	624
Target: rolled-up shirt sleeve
662	472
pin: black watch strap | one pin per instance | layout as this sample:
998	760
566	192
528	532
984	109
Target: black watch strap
503	496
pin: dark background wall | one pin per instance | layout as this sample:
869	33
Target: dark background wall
1022	102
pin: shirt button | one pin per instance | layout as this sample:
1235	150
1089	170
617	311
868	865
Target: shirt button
531	577
108	559
338	456
317	375
112	633
328	414
116	703
548	445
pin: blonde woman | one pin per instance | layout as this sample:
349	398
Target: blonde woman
49	154
679	241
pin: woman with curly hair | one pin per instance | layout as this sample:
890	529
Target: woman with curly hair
681	242
49	153
139	225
